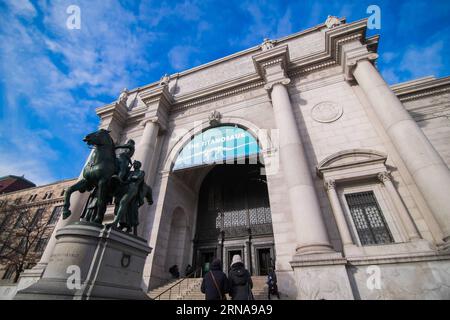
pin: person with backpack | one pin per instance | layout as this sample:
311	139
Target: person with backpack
215	282
241	283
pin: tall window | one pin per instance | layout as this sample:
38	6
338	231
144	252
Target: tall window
47	195
37	217
20	219
40	244
9	272
368	218
55	215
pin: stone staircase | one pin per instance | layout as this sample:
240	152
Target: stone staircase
176	289
190	289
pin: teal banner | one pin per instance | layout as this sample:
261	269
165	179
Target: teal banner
216	145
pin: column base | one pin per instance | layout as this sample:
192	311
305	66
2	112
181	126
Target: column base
321	276
314	248
91	262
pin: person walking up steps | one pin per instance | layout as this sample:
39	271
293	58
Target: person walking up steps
215	282
241	283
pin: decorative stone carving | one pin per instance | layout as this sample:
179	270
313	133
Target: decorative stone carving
164	81
267	44
332	22
384	176
326	112
123	97
329	184
214	118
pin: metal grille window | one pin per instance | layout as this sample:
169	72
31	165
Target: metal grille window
56	213
234	200
368	218
37	217
9	272
40	245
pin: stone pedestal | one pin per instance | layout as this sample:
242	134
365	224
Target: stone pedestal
322	276
92	262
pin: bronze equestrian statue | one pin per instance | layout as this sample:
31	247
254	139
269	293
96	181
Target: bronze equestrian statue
108	177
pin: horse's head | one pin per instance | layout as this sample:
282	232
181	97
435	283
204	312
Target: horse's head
98	138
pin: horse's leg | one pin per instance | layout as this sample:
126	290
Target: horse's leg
78	186
101	200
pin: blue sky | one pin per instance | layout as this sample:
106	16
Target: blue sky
52	78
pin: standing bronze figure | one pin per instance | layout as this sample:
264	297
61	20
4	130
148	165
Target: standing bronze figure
108	177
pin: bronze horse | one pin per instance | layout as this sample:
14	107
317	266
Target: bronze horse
97	173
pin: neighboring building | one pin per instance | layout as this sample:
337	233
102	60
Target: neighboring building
14	183
41	204
329	178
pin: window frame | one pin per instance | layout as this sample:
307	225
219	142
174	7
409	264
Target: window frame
387	211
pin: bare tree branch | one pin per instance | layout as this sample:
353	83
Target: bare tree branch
20	231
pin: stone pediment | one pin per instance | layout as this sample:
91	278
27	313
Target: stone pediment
350	158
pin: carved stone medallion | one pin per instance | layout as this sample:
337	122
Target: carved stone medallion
326	112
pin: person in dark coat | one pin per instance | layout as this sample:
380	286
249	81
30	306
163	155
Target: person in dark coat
174	271
215	282
272	283
240	280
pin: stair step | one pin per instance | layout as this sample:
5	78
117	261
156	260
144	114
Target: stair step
192	292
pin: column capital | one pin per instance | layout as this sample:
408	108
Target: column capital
158	101
351	57
153	119
272	65
384	176
329	184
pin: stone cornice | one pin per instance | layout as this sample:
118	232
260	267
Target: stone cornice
421	88
115	110
276	55
217	95
334	39
159	95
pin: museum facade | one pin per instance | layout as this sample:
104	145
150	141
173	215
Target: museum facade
296	155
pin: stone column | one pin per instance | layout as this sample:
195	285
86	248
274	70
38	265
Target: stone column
408	223
314	262
344	232
158	101
145	150
307	217
429	171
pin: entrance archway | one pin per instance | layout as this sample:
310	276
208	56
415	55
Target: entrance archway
234	218
180	187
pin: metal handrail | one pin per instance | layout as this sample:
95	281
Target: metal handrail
187	277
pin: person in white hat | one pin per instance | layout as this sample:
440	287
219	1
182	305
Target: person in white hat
240	280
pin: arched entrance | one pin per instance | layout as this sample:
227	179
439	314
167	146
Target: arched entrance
229	154
234	218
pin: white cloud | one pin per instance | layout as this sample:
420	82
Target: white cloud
284	26
389	56
44	67
179	56
23	8
423	61
390	76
